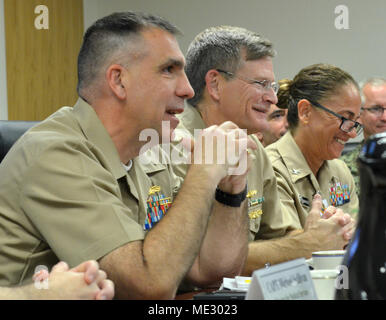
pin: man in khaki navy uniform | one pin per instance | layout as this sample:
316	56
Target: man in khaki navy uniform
264	206
298	185
231	72
87	226
72	188
373	119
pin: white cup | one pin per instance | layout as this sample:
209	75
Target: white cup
327	259
324	283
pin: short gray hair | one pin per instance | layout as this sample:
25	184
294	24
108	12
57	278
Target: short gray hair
374	82
108	37
223	48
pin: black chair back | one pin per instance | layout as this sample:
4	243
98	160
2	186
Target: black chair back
10	131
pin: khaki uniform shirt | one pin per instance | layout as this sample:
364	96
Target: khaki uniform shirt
267	220
65	195
297	184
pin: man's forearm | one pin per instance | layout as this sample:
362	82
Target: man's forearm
27	292
184	225
279	250
168	251
225	247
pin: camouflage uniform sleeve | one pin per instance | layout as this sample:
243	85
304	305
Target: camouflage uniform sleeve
351	160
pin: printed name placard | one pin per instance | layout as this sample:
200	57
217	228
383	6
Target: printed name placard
285	281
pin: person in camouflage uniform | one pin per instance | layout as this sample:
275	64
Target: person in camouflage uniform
373	118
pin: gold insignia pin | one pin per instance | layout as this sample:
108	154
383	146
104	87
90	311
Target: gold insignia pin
255	214
154	189
251	193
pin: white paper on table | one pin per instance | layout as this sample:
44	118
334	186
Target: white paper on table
236	284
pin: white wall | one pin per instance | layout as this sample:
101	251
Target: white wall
91	11
3	74
303	31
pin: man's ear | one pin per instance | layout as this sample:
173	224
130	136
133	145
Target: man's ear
115	79
212	78
304	111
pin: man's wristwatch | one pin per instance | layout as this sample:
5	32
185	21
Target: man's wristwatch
232	200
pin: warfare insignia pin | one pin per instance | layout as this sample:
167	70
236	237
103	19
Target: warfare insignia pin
157	206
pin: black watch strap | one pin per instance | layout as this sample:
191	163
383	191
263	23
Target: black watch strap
232	200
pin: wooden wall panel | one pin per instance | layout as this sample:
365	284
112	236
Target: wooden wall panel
41	64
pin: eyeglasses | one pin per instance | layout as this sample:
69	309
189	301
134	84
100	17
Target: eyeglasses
346	125
265	84
376	110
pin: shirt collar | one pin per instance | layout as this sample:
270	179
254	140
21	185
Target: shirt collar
294	159
128	166
190	119
96	133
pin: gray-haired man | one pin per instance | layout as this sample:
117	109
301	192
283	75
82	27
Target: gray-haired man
231	71
373	118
